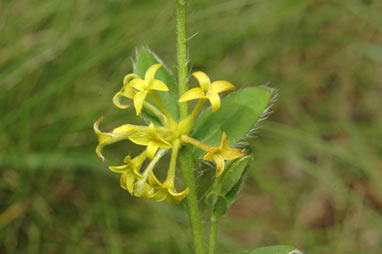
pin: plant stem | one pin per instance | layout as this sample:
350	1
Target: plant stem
172	167
197	143
182	53
156	112
185	158
186	163
214	223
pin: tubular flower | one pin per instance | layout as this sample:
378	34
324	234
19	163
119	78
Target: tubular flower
207	90
107	138
150	138
144	87
222	153
130	171
166	191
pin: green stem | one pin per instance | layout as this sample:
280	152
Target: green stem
182	53
152	164
212	242
197	143
156	112
197	109
186	163
162	107
185	158
172	167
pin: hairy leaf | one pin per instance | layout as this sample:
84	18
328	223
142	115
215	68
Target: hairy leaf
225	187
237	116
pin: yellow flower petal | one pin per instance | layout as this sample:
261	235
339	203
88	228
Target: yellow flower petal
179	195
175	197
215	101
121	133
142	139
139	98
117	101
221	86
151	149
160	195
231	154
203	79
128	77
154	182
224	141
127	129
127	91
219	160
120	169
192	94
138	84
210	155
158	85
150	73
103	138
127	181
143	190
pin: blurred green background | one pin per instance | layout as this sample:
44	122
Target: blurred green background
316	181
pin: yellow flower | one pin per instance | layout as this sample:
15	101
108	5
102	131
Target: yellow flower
143	190
150	138
132	81
126	91
222	153
207	90
145	86
107	138
166	191
130	171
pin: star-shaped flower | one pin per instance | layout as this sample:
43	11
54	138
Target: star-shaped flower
130	171
150	138
166	191
207	90
222	153
145	86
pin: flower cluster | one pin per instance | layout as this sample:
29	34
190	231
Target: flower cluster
170	135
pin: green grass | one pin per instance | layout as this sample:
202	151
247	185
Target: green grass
316	181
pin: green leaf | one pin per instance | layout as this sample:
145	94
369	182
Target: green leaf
237	116
225	187
145	59
277	249
217	204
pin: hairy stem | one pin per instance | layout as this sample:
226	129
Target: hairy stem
214	223
186	163
182	53
185	158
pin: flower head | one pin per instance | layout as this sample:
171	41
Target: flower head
152	139
207	90
130	171
219	154
137	89
166	191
